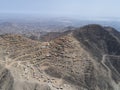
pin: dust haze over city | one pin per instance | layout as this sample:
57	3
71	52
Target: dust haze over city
59	45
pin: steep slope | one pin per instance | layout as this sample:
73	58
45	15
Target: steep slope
113	32
98	40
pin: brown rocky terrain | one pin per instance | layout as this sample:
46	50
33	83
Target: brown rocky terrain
84	59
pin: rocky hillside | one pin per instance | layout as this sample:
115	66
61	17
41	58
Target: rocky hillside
86	58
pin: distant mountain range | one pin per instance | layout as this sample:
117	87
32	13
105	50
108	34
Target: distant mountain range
36	28
48	25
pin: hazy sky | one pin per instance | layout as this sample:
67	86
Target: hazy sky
62	8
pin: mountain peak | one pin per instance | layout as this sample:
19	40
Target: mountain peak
92	27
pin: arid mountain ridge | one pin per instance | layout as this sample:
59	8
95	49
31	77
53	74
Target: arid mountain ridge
86	58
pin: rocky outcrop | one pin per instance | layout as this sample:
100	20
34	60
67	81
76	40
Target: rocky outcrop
6	79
